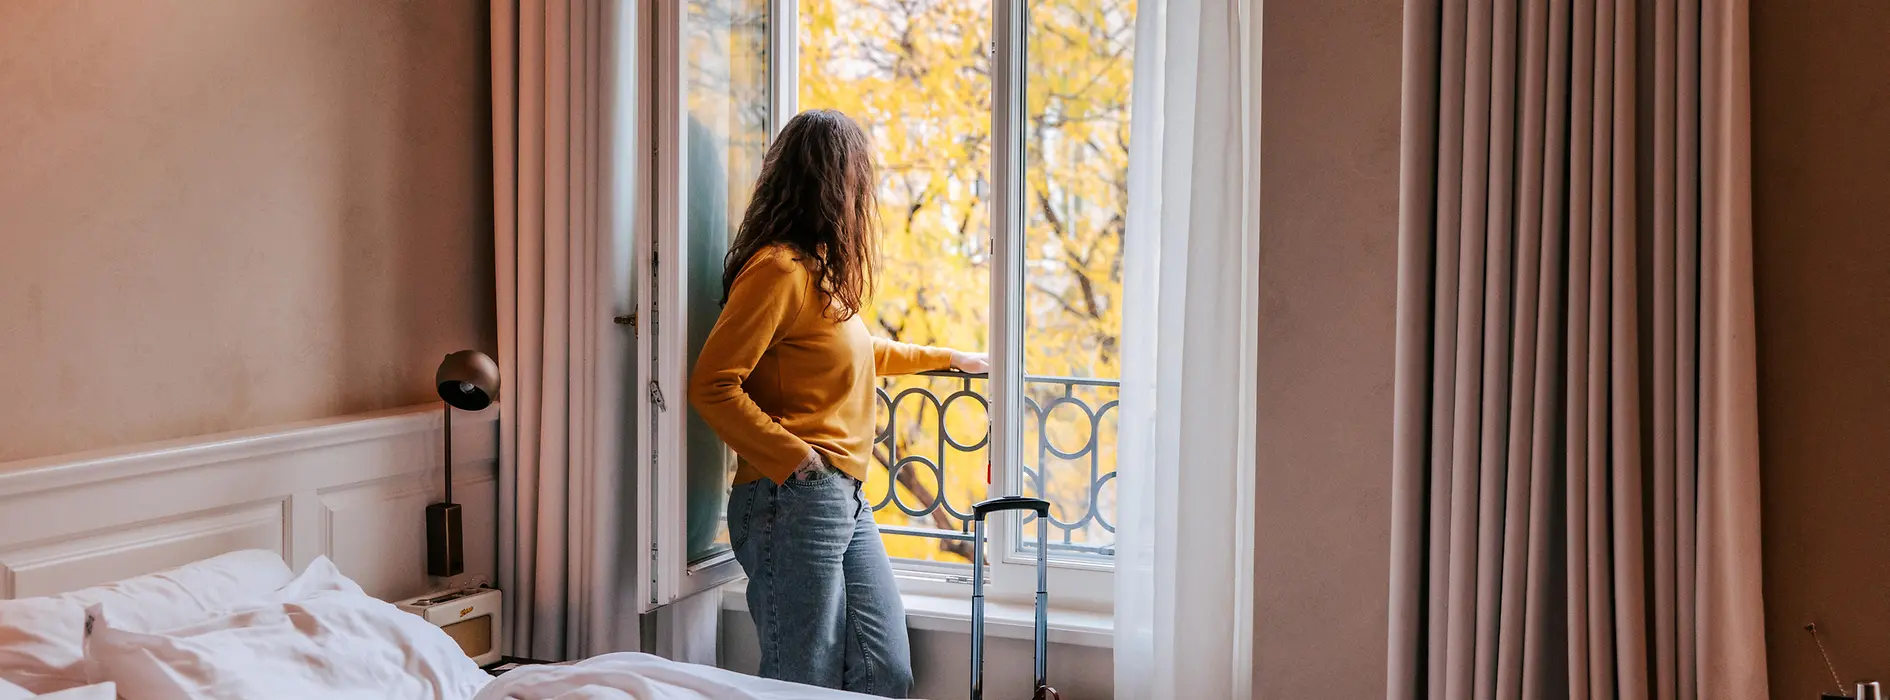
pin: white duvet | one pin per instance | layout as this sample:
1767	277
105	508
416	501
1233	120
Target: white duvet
241	627
643	677
317	638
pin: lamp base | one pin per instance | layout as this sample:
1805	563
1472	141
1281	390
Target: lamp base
446	555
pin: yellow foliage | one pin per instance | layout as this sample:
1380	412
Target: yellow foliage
917	75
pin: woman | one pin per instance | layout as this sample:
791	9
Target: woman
786	378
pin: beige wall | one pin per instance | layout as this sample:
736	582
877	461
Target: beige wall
1821	164
1329	248
220	214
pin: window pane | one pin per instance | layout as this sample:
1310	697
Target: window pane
726	93
916	75
1076	116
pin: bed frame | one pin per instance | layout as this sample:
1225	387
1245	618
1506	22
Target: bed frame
351	488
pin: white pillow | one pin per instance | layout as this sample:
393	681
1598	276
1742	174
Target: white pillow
41	639
318	638
42	644
190	593
321	576
101	691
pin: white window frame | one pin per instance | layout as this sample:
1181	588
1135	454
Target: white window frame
659	452
1074	584
660	403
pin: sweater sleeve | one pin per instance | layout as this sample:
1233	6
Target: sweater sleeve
892	358
763	303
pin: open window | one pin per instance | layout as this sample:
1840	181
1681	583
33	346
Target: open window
711	103
1003	144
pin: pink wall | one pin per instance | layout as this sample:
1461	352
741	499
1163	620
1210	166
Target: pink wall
219	214
1328	304
1821	203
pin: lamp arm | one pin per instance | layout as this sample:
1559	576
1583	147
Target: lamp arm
449	451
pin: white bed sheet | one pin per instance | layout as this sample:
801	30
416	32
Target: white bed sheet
317	638
42	640
101	691
628	676
280	632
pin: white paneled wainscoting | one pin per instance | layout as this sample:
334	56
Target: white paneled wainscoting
352	488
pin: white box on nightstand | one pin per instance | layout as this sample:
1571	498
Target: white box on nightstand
469	615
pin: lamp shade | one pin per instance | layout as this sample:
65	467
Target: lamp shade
468	380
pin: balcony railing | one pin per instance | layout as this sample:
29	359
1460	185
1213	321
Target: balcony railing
916	445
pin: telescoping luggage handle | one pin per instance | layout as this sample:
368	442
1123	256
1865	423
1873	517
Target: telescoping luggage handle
978	512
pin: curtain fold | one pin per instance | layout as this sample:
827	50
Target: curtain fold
1183	614
555	237
1575	447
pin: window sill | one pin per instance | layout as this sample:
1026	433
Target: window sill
1001	620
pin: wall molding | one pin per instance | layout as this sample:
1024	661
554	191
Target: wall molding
245	526
89	468
350	488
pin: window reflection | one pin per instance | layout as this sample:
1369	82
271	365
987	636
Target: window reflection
726	96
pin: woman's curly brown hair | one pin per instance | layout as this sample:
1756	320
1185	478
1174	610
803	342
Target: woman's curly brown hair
816	194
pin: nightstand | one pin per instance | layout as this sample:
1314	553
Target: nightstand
513	663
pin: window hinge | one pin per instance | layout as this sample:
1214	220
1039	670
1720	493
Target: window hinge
653	575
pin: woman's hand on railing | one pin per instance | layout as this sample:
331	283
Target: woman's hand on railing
971	362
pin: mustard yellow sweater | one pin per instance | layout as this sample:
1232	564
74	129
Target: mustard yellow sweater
777	376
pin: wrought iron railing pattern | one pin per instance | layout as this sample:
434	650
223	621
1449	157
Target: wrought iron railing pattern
1051	405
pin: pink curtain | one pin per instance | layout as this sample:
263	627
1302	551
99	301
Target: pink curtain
1576	460
560	259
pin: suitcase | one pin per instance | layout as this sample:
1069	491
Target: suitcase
978	512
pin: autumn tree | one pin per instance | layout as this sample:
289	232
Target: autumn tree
917	75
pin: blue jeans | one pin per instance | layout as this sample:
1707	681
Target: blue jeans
820	588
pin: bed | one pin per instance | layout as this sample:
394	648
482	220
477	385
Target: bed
211	567
242	625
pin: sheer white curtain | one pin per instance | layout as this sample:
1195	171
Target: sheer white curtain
1185	488
561	124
